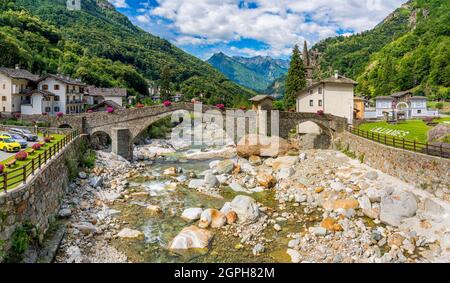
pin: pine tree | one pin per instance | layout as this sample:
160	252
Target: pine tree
295	80
166	78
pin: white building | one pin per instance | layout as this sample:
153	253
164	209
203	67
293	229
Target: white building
403	103
68	94
39	102
333	95
98	95
14	83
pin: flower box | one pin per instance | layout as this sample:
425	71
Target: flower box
21	155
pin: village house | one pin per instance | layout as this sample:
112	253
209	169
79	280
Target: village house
67	95
96	95
334	95
14	84
400	104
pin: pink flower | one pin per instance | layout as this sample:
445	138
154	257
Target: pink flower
2	168
17	115
167	103
139	105
110	110
44	113
47	139
36	146
59	114
320	112
21	155
220	106
90	111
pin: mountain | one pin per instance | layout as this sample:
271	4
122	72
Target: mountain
410	49
277	87
256	73
101	46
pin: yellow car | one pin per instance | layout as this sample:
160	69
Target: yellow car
8	144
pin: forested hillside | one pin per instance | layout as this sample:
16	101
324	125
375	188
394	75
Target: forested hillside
102	47
409	49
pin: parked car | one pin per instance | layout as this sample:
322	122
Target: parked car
23	143
8	144
26	134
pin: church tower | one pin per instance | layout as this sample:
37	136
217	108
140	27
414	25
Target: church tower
307	61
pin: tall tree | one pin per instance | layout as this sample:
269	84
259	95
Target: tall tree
166	79
295	80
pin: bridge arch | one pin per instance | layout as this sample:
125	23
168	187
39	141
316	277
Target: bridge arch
100	140
65	126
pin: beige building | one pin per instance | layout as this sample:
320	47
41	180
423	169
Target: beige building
333	95
100	95
14	84
262	102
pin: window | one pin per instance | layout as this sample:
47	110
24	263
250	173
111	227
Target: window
419	111
320	102
57	98
44	87
320	90
4	86
310	91
48	109
3	98
56	87
56	108
311	102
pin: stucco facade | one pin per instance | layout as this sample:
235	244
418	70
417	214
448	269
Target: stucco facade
334	98
10	93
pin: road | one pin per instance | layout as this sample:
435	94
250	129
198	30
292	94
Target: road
6	155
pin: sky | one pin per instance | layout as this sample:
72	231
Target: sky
255	27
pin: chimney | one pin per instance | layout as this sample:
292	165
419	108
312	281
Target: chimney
17	66
336	74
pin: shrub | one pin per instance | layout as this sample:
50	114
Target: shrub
47	139
59	114
110	110
36	146
89	159
21	155
167	103
220	106
439	105
320	112
90	111
2	168
139	105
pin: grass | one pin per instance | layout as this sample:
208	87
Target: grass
411	129
19	164
432	104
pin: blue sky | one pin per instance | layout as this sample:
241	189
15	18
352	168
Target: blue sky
255	27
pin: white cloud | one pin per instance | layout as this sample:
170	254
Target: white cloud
279	24
144	18
119	3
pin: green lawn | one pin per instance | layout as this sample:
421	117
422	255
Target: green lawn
410	130
20	164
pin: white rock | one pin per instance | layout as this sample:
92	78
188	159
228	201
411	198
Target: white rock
364	203
277	227
295	255
211	181
196	183
302	156
82	175
395	207
192	213
226	208
245	207
96	181
237	187
372	175
318	231
65	213
86	227
285	173
130	233
191	237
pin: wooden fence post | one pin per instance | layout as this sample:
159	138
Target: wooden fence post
5	181
24	174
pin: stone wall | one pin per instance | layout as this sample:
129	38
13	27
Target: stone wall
37	201
426	172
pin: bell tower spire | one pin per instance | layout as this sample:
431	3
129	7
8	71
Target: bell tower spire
305	54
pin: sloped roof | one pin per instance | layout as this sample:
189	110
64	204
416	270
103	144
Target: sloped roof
384	98
401	93
64	79
418	98
107	103
261	97
339	80
36	91
116	92
19	74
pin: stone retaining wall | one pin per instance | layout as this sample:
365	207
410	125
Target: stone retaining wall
424	171
37	201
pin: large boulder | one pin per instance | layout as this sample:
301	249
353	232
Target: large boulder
397	206
245	207
438	132
266	180
212	217
130	234
260	145
225	166
211	181
192	213
191	237
284	162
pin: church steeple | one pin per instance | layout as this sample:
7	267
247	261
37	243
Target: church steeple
305	55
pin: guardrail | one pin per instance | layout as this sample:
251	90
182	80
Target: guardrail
426	148
10	179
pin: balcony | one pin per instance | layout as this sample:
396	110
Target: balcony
76	101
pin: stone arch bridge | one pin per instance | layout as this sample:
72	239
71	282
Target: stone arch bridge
125	125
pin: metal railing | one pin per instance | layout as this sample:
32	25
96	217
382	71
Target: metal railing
440	150
11	178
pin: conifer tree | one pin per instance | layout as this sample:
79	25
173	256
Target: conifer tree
295	80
